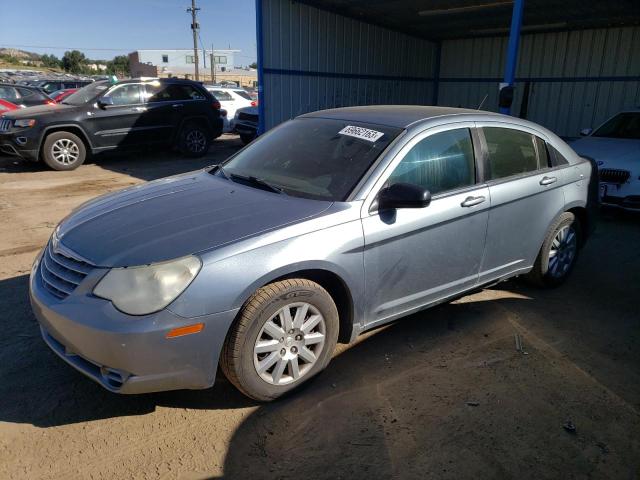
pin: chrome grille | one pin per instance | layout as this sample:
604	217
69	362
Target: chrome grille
5	124
612	175
61	274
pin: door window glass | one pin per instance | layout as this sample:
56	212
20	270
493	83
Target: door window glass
127	94
172	92
511	152
443	161
8	93
243	94
222	96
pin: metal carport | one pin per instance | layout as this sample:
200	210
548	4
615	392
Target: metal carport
577	63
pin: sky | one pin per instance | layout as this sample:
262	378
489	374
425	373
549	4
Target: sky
102	29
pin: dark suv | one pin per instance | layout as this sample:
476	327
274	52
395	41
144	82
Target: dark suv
106	116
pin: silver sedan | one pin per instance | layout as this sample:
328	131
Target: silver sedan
329	225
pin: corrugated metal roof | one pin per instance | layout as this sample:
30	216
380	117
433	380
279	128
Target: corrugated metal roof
440	19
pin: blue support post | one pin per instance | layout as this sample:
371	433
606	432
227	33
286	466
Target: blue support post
260	61
512	49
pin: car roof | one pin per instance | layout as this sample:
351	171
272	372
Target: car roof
400	116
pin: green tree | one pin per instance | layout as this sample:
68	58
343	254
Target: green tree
253	65
50	61
74	61
119	65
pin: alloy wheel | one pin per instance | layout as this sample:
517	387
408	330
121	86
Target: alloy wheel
196	141
563	251
65	151
289	344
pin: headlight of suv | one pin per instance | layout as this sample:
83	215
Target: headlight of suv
24	123
147	289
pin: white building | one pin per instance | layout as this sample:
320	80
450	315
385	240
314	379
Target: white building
179	62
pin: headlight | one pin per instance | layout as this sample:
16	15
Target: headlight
147	289
24	122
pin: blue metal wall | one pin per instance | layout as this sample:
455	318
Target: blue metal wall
578	79
313	59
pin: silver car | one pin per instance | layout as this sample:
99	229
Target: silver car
331	224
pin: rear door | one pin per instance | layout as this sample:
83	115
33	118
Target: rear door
526	195
417	256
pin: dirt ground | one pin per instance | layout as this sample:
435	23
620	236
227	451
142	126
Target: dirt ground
441	394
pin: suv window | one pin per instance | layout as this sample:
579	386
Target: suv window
442	161
127	94
243	94
511	152
172	92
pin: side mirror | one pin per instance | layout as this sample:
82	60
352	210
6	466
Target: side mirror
105	102
585	132
403	195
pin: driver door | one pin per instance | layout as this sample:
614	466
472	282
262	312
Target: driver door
417	256
120	124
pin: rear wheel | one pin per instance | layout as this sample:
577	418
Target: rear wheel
63	151
558	254
194	140
285	334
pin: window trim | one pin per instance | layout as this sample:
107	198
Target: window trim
395	160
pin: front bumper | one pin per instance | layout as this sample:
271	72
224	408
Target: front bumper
21	143
123	353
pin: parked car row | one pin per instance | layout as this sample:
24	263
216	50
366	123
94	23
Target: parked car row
104	116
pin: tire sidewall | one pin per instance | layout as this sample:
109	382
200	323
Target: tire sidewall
182	142
47	153
567	219
317	297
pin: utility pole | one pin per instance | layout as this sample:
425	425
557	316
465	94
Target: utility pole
194	28
213	66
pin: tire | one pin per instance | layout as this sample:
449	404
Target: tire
63	151
247	138
252	342
549	273
194	140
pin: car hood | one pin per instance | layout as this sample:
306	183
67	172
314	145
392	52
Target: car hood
39	110
619	153
174	217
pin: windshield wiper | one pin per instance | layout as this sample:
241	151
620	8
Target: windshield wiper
221	170
256	181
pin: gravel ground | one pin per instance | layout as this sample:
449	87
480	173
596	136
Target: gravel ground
441	394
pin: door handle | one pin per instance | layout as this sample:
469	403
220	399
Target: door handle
177	105
472	201
548	180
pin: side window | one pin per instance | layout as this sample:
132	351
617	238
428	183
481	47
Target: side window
127	94
8	93
511	152
172	92
440	162
25	92
222	96
557	159
543	153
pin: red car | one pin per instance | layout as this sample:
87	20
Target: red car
6	106
60	95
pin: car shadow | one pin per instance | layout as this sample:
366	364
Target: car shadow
146	164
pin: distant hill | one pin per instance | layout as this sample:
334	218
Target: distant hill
20	54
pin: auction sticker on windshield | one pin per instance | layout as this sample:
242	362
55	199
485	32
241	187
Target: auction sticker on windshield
361	133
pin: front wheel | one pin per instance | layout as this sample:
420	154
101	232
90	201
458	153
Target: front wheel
558	254
63	151
193	140
285	334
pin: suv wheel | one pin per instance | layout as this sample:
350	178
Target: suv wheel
194	140
558	254
285	334
63	151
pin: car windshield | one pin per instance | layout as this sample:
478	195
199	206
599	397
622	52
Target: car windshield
314	158
623	125
86	94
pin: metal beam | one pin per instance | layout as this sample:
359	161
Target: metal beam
260	62
512	48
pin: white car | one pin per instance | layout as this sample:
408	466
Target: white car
615	146
231	100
